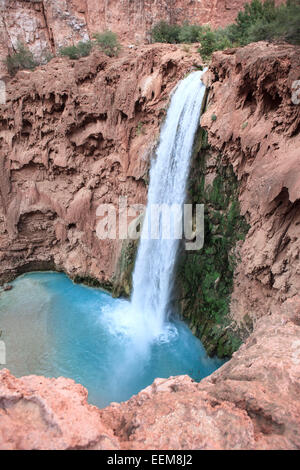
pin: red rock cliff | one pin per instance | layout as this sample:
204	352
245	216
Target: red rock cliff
48	24
257	130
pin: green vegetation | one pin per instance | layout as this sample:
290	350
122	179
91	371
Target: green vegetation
92	282
260	20
264	21
205	278
82	49
122	281
175	34
140	129
164	32
108	43
20	60
211	41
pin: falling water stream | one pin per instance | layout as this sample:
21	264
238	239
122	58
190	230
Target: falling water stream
146	318
116	347
168	177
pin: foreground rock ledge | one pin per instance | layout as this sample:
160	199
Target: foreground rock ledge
252	402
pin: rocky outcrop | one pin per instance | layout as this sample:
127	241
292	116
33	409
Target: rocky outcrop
251	402
74	135
253	121
246	171
46	25
205	278
39	413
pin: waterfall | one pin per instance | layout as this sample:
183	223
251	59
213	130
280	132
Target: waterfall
116	347
145	318
153	274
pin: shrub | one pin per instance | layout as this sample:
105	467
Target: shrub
209	43
46	56
285	24
21	59
256	11
260	20
69	51
212	41
189	33
108	43
164	32
290	24
82	49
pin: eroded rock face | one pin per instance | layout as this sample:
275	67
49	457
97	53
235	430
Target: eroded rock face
50	24
39	413
251	402
254	124
74	135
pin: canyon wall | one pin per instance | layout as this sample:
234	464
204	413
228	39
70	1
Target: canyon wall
253	122
46	25
74	135
246	171
77	134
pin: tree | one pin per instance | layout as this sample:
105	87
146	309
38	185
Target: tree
21	59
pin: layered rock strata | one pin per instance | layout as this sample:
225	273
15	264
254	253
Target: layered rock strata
46	25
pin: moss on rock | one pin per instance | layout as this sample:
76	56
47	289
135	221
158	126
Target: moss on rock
120	285
122	282
92	282
204	279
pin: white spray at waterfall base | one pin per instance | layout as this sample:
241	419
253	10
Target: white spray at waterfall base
144	319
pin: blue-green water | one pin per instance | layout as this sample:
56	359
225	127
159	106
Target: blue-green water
55	328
